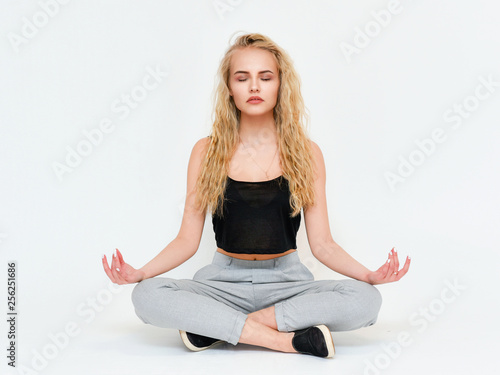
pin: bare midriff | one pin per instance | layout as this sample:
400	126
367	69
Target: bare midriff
254	256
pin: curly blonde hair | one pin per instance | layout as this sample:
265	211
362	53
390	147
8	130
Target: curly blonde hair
290	118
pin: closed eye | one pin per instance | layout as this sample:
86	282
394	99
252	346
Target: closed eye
264	79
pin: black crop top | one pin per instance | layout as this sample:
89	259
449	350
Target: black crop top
256	218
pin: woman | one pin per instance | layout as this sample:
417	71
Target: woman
256	171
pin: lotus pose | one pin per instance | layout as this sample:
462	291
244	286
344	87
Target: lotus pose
256	172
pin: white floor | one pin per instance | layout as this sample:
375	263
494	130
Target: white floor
444	335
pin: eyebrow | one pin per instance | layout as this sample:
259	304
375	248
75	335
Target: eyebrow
245	72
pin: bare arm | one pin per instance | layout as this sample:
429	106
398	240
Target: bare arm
185	245
174	254
336	258
327	251
182	247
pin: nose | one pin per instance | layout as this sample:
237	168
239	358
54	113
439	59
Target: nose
254	85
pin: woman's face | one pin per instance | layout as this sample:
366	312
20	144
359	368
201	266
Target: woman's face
254	72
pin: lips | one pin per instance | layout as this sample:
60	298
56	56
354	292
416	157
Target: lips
255	99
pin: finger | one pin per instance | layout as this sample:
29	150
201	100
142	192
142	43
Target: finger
107	269
125	269
115	268
113	262
119	260
392	265
120	269
396	259
405	268
387	270
120	257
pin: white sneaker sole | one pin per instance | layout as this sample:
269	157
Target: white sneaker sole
190	346
328	339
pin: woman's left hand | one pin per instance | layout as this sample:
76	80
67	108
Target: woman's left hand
390	271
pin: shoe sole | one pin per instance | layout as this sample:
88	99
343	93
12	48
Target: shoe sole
328	339
190	346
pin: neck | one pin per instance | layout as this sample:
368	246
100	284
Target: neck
257	129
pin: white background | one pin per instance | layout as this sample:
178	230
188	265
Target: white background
368	110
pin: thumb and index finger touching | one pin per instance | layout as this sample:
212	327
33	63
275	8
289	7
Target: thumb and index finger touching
113	272
391	267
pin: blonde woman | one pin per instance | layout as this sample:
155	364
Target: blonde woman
256	172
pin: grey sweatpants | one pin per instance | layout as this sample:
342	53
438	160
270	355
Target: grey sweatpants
216	302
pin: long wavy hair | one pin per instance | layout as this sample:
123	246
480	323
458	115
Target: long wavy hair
291	120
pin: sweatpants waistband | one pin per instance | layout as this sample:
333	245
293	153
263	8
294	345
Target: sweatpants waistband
284	261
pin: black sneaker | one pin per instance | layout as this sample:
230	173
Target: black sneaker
315	340
196	342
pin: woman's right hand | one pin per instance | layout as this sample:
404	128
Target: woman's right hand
121	272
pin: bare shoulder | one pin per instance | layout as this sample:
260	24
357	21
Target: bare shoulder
315	149
198	151
318	159
197	154
201	145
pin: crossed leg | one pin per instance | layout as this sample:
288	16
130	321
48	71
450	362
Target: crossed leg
261	329
344	305
341	305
